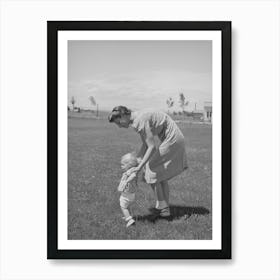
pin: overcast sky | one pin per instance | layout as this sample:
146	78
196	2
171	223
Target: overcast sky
139	74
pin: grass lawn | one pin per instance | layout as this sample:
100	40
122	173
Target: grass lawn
94	151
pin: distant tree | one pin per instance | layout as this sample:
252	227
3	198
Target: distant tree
93	102
73	101
182	101
169	103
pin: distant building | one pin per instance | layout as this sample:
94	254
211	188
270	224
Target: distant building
197	115
208	111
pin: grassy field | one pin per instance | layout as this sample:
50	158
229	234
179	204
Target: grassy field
95	148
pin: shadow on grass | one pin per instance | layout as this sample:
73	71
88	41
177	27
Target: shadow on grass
176	213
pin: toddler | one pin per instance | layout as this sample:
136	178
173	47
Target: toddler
127	186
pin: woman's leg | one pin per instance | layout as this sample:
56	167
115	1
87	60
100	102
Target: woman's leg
165	189
159	196
153	186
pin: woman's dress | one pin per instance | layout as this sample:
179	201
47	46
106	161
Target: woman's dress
170	158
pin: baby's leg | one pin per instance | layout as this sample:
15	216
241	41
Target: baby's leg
125	209
124	203
125	212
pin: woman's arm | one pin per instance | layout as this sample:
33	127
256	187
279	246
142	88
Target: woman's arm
150	147
143	148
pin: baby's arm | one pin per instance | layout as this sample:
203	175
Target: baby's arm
122	183
132	176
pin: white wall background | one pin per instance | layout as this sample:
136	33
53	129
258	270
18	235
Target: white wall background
255	151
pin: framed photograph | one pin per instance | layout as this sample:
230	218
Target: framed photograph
139	140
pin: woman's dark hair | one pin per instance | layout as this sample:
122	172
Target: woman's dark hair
117	112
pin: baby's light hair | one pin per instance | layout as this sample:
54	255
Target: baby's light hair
131	158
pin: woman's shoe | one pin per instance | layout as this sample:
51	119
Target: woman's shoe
154	211
165	212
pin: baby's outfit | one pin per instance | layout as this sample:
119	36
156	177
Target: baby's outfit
127	187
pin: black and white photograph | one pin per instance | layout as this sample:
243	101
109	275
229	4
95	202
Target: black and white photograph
139	140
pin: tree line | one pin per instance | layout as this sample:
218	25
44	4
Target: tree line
182	102
78	109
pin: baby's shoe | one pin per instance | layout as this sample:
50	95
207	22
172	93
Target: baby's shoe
130	222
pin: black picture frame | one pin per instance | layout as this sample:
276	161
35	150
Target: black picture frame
53	27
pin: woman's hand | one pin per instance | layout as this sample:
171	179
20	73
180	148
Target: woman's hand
132	170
